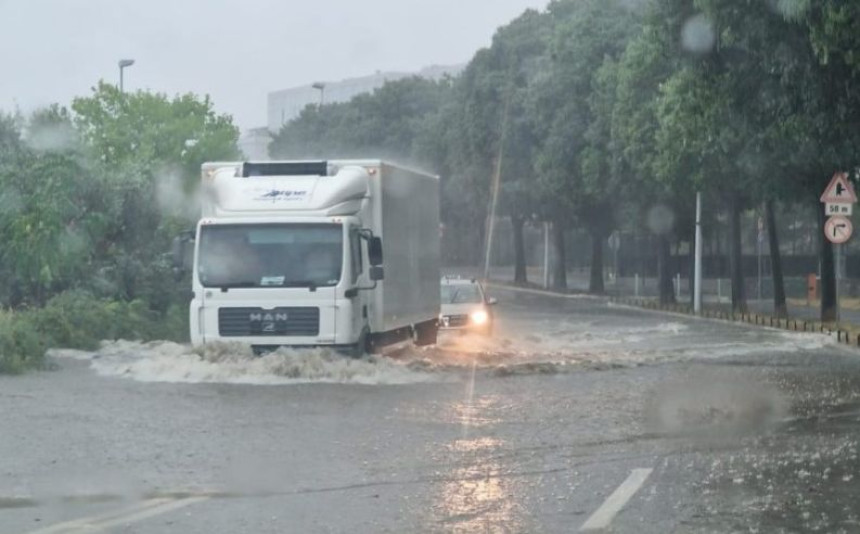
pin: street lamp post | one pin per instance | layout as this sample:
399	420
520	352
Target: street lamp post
320	86
123	63
697	265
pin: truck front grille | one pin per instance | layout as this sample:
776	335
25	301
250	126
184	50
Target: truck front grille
244	322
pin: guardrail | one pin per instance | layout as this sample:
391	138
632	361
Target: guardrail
847	334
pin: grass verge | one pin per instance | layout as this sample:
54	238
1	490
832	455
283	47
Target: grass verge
78	320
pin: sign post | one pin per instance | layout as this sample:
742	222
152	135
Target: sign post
838	199
615	244
697	268
760	242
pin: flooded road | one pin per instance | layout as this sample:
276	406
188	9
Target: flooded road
576	415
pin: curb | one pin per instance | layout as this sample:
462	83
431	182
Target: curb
846	336
543	292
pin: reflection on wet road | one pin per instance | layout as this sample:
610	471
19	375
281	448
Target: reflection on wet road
549	426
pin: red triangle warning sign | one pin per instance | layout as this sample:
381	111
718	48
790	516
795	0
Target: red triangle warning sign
840	190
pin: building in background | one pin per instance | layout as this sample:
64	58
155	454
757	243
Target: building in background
287	104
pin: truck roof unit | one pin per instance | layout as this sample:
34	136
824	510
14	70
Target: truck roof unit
283	189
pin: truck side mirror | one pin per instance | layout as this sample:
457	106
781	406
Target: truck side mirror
177	250
377	273
182	251
374	251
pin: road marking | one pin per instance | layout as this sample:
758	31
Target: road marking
77	523
151	512
138	512
604	515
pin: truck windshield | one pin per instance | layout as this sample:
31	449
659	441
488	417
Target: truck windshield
271	255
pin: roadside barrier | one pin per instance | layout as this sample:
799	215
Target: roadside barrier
844	333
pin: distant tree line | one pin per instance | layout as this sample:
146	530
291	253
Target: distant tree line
603	115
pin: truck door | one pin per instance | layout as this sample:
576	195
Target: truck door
360	313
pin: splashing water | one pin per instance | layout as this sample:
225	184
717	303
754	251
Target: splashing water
234	363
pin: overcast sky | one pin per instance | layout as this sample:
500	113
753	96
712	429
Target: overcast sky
235	50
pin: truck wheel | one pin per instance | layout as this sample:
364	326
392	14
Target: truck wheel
425	333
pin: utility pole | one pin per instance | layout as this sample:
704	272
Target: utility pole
497	177
759	245
546	255
697	269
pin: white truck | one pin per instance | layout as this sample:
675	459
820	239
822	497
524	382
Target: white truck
290	253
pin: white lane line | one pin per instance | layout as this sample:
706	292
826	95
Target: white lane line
138	512
604	515
151	512
77	523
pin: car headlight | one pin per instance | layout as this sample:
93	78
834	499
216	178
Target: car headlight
479	317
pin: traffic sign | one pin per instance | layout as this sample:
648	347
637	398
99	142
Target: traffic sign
839	190
838	229
838	209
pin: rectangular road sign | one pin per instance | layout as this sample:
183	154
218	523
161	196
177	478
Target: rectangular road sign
838	209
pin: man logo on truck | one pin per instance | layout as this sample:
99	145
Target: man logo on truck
269	317
268	321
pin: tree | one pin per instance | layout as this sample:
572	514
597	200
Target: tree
648	61
144	153
575	159
154	132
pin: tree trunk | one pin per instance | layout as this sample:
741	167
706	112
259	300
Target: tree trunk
595	284
780	309
559	281
828	274
664	271
520	276
739	299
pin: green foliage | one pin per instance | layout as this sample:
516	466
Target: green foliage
79	320
21	345
89	202
153	132
383	124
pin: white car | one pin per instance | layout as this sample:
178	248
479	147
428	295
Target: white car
466	307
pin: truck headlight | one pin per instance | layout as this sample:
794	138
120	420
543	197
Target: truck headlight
479	317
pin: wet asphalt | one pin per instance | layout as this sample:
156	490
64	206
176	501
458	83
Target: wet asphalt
542	429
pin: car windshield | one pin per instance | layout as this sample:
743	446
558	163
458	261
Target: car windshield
285	255
461	294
